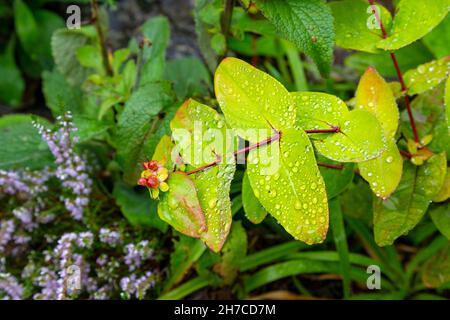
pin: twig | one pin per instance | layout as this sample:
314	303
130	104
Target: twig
101	36
399	74
331	166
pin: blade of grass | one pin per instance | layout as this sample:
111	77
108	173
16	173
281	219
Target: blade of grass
185	289
296	267
296	65
340	240
270	255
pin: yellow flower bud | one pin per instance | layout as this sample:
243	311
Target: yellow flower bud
162	174
164	187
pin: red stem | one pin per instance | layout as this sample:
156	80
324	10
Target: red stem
399	75
331	166
406	154
267	141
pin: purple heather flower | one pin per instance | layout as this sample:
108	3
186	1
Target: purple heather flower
10	289
7	229
110	237
71	168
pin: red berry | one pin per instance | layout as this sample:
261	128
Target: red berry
152	182
142	182
152	165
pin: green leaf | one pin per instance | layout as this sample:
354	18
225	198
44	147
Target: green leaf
307	23
336	181
408	57
234	251
59	95
65	44
251	99
436	271
441	219
285	178
163	152
185	289
403	210
189	76
187	252
89	56
375	95
444	193
11	82
355	24
437	40
354	143
180	206
429	112
137	208
213	184
447	100
157	30
427	76
22	146
413	20
254	211
340	241
356	201
136	124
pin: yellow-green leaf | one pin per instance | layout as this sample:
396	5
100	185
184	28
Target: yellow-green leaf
375	95
413	20
163	152
356	25
251	99
180	206
403	210
383	173
253	209
360	137
444	193
198	131
427	76
287	182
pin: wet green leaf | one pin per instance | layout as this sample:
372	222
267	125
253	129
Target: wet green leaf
427	76
254	211
413	20
285	178
441	218
360	138
180	206
354	143
163	152
308	24
355	24
401	212
251	99
375	95
213	184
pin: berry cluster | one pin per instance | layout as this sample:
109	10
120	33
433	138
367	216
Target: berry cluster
154	177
